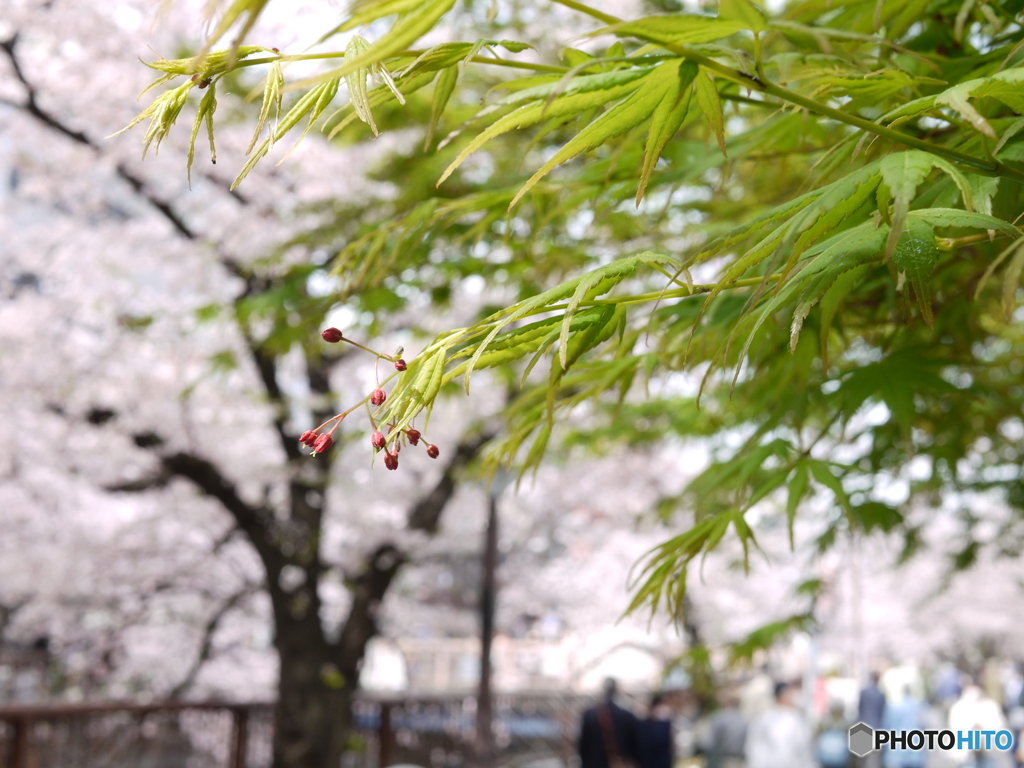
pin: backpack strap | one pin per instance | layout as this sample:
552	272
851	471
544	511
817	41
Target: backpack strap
604	718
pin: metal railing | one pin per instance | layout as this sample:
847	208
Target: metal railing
435	731
116	734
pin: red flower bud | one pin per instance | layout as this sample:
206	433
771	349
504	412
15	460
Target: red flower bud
391	459
377	440
413	435
332	336
378	396
400	365
322	443
308	438
432	451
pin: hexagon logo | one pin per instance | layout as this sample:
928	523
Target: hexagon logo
862	739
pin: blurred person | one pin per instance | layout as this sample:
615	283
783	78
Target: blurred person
1013	685
832	745
933	716
758	695
992	680
608	734
906	714
871	710
947	685
655	740
687	724
728	737
1015	719
974	711
871	704
898	678
780	738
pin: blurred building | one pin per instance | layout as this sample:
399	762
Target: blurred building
571	662
24	672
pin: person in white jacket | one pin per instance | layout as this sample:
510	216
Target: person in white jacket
780	738
974	711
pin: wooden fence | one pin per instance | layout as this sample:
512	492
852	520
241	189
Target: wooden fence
436	732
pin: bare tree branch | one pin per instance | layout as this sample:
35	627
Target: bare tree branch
157	479
426	513
206	646
31	104
224	539
165	209
7	613
32	107
266	363
370	586
254	521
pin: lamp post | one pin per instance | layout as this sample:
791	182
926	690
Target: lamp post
484	746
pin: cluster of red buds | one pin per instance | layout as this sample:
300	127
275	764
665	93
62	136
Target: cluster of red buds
411	436
321	438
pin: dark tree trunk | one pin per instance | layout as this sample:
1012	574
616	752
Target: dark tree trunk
318	678
314	710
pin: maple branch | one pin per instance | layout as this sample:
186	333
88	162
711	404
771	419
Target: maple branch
51	121
762	85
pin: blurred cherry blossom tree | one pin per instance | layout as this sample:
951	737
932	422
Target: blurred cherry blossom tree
161	358
163	527
137	365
